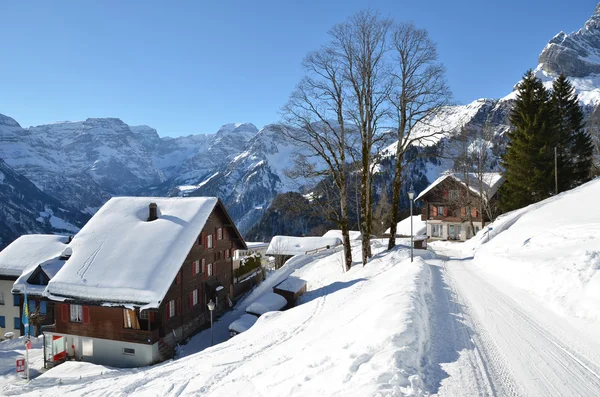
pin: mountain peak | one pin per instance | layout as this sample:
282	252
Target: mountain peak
576	54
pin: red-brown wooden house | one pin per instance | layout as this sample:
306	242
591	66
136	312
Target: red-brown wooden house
139	278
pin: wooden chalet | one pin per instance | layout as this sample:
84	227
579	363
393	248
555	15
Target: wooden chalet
454	206
139	280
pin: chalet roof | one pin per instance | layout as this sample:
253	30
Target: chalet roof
491	183
50	267
29	251
403	227
121	258
354	234
288	245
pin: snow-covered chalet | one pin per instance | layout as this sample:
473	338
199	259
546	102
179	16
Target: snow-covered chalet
138	278
456	205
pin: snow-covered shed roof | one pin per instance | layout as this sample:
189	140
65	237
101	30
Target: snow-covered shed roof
491	182
119	257
256	245
403	227
354	234
268	302
291	284
243	324
29	251
287	245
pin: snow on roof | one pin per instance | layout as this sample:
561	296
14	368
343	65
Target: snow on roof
121	258
243	323
256	245
268	302
292	284
491	182
51	267
354	234
403	227
287	245
29	251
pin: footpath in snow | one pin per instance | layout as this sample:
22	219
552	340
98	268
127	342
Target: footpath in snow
363	332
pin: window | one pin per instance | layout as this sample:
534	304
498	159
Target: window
203	265
453	195
477	229
2	322
76	313
16	300
195	267
440	210
128	351
194	298
171	309
209	241
87	347
210	269
226	254
31	306
219	234
43	308
17	324
436	230
1	298
143	314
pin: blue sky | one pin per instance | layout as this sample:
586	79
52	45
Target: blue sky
190	66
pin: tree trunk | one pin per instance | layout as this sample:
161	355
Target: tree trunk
344	225
396	187
364	203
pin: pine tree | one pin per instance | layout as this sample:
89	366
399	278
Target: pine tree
529	157
574	146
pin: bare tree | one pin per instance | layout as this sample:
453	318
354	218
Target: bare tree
317	111
419	93
361	43
593	128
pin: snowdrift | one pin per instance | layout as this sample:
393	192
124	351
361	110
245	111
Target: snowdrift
360	333
552	249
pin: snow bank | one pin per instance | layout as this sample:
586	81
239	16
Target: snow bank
551	248
403	227
359	333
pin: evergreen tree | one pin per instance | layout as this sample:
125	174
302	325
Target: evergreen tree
574	146
529	157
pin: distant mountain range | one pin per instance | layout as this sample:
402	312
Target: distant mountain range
67	170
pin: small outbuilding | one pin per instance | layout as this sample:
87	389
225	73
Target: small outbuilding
419	227
269	302
291	289
284	247
242	324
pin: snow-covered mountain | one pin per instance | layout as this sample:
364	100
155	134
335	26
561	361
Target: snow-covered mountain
26	209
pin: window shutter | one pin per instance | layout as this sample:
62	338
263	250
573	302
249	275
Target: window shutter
178	306
474	212
203	265
151	316
434	210
232	251
445	193
178	278
445	211
85	313
463	211
64	308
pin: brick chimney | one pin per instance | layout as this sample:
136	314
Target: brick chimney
152	212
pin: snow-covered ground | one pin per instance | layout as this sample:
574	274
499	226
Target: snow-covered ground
357	333
551	249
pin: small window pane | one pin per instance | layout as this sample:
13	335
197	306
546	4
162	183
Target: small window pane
87	347
43	307
17	323
16	300
76	313
1	298
2	322
128	351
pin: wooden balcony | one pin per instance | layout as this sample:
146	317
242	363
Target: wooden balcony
140	336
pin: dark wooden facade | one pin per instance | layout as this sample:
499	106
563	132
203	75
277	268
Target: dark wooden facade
108	322
457	202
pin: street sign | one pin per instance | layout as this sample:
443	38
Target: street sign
20	365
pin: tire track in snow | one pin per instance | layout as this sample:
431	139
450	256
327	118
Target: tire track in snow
522	346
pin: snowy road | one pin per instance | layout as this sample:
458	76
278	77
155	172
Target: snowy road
489	338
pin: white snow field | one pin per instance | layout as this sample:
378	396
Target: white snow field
358	333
